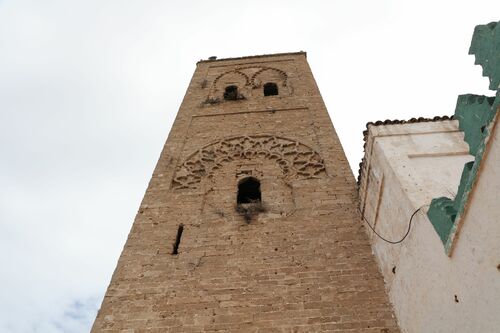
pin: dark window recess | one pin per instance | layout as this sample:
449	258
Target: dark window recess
231	93
249	191
175	249
270	89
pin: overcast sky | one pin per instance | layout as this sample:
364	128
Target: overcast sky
89	90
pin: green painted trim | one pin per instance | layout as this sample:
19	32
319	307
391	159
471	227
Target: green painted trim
445	212
442	214
476	115
485	45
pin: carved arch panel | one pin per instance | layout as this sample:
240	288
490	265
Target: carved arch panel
235	76
268	73
296	160
247	79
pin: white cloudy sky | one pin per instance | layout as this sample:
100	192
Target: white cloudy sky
89	90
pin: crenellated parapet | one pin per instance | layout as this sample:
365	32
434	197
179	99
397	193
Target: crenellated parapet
476	115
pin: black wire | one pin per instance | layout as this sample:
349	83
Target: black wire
407	231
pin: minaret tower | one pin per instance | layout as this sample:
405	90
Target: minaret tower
249	223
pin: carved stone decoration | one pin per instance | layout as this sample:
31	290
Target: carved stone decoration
296	160
254	81
249	77
232	72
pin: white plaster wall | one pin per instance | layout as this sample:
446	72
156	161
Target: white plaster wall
406	166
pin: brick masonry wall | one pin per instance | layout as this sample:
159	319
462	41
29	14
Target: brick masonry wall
303	264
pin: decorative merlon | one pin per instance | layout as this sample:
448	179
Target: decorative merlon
476	116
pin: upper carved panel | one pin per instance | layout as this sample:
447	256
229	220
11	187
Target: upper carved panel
296	160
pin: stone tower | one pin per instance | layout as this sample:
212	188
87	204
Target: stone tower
249	223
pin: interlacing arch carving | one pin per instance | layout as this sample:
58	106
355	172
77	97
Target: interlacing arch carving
296	160
250	74
281	73
234	71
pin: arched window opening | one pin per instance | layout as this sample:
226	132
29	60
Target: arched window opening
249	203
249	191
231	93
270	89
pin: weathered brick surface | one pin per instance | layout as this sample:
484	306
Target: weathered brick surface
302	265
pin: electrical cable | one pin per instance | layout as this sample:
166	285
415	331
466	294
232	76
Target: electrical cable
407	231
